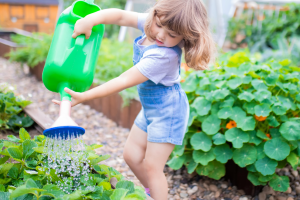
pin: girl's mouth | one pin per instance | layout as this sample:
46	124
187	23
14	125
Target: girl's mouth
159	42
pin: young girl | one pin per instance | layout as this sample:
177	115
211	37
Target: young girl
161	124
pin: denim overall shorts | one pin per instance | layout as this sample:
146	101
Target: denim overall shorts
165	109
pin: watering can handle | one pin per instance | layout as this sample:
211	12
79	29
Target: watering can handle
79	41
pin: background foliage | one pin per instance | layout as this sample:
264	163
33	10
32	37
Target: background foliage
11	114
243	110
24	174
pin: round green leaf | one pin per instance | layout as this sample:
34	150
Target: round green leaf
211	125
293	159
225	112
262	95
190	84
249	107
218	170
201	141
262	135
271	79
176	162
253	138
253	177
235	82
262	110
267	178
247	96
228	102
237	137
277	149
259	84
205	170
275	133
286	102
237	113
280	183
245	155
247	79
290	130
272	121
278	109
246	123
203	157
192	166
202	106
204	81
266	166
221	93
251	168
223	153
219	139
260	151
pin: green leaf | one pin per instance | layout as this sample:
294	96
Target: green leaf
253	138
13	172
278	109
220	94
203	157
190	84
201	105
118	194
259	84
275	132
260	151
13	138
24	135
246	123
267	178
178	150
290	130
272	121
249	107
254	178
28	146
293	159
223	153
219	139
277	149
4	168
228	102
19	191
191	167
271	79
235	82
211	125
262	135
266	166
201	141
218	170
262	95
247	96
4	159
225	112
52	190
262	110
280	183
237	113
176	162
237	137
251	168
128	185
245	155
15	153
4	195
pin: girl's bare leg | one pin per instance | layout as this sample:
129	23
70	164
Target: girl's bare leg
156	157
134	153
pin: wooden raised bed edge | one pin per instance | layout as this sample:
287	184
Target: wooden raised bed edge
45	122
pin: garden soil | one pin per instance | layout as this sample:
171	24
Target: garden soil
102	130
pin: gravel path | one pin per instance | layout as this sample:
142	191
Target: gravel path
102	130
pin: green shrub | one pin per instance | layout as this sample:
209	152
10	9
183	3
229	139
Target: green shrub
114	59
245	111
11	115
27	178
35	48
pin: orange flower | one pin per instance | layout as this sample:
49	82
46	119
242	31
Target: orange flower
231	124
268	135
185	67
260	118
182	81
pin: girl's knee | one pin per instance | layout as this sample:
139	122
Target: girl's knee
151	167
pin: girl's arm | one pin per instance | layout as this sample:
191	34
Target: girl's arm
128	79
108	16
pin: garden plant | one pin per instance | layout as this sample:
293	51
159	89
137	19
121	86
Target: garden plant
243	110
11	110
24	174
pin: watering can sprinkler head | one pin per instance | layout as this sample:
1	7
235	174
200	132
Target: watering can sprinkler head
64	127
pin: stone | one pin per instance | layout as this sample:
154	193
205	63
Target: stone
217	194
290	198
193	190
298	189
213	188
280	198
224	185
262	196
295	173
243	198
271	198
289	190
172	191
183	194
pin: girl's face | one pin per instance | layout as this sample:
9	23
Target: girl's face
163	36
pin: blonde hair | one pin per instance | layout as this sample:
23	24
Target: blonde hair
189	19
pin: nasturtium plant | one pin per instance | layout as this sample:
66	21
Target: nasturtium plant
11	110
244	110
24	174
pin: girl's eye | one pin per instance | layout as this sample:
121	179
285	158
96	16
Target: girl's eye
172	36
158	25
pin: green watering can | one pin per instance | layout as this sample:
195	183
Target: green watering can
71	62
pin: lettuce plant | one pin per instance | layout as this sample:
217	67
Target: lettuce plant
245	111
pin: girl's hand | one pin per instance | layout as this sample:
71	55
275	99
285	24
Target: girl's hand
77	97
83	26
